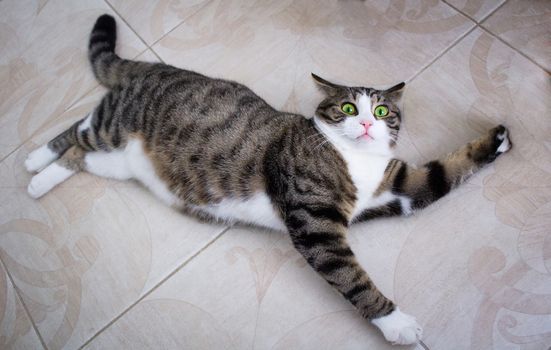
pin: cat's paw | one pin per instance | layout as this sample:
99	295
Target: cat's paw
39	158
486	149
502	140
399	328
38	186
47	179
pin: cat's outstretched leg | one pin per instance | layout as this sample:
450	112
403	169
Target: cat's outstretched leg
83	146
322	242
40	158
416	188
70	163
46	154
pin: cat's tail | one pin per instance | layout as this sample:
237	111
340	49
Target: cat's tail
106	65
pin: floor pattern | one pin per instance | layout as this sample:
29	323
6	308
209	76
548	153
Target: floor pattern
102	264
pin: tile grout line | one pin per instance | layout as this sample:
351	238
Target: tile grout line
179	24
446	50
156	54
17	293
515	49
422	343
480	25
454	43
174	28
490	13
463	13
150	47
133	31
472	18
126	23
155	287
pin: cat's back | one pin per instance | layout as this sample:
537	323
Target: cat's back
165	92
205	136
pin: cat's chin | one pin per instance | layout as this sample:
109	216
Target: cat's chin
364	140
371	146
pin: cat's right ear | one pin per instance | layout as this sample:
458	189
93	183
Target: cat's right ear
326	86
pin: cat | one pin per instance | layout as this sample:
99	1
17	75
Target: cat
213	148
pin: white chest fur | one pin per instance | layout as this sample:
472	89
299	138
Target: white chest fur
366	165
367	172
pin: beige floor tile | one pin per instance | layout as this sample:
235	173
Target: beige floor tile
43	66
476	9
249	290
153	19
526	25
16	330
476	268
272	46
90	248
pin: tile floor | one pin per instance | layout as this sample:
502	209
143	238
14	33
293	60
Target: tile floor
101	264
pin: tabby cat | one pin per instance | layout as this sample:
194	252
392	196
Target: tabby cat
215	149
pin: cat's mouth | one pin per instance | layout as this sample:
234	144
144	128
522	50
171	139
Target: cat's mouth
365	136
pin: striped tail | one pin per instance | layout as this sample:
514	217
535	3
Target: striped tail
101	51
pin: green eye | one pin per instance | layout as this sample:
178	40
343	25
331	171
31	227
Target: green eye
348	108
381	111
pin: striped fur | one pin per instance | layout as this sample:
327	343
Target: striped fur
424	185
210	141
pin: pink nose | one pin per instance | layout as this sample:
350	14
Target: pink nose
366	125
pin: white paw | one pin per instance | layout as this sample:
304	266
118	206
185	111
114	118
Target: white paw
47	179
39	158
399	328
39	186
505	142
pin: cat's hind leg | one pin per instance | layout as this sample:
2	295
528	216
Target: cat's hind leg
112	164
55	173
46	154
40	158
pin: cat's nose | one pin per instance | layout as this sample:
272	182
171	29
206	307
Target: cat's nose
366	124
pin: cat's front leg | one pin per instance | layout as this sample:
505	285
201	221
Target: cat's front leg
416	188
436	178
321	239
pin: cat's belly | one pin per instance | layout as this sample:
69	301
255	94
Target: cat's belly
130	163
256	210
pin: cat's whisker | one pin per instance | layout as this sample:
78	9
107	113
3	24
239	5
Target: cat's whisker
314	135
320	145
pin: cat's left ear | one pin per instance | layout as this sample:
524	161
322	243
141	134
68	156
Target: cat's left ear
330	88
395	92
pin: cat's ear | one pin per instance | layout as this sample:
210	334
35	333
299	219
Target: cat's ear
395	92
327	86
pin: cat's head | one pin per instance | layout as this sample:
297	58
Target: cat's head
361	118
